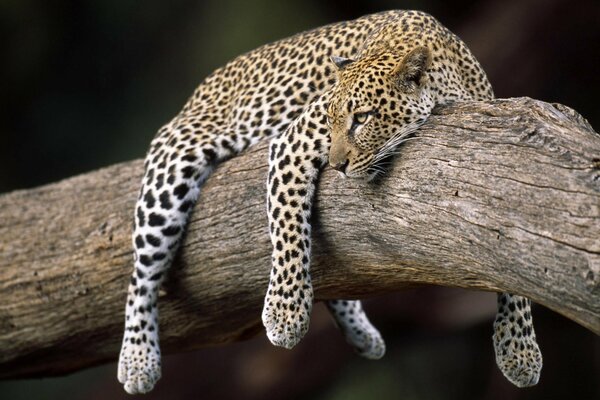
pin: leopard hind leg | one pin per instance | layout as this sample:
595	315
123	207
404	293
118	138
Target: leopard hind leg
354	324
517	353
180	159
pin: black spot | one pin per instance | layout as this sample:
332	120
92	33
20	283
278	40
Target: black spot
189	157
318	145
181	190
150	175
188	172
141	217
160	181
145	260
171	230
185	206
153	240
281	199
156	276
284	162
272	151
143	290
227	145
156	220
139	242
209	155
276	212
159	256
286	178
149	199
274	186
165	200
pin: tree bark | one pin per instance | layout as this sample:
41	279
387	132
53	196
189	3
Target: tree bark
500	196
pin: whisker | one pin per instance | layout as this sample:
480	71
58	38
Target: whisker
383	155
383	152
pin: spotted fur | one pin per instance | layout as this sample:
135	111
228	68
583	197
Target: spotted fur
288	90
517	352
354	324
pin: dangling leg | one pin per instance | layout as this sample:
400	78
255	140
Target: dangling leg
180	159
294	164
170	187
517	353
356	328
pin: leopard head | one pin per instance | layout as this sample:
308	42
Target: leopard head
377	101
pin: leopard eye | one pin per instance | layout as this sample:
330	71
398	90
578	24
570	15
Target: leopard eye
361	118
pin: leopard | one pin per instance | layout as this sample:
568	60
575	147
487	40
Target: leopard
345	95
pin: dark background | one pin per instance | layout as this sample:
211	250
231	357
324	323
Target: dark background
85	84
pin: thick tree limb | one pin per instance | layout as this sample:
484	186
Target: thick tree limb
496	196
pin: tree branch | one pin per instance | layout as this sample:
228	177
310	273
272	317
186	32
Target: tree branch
501	195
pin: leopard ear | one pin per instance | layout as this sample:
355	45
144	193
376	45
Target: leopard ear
340	62
409	73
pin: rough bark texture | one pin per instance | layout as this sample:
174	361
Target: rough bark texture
501	196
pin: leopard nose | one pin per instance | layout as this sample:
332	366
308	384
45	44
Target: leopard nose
341	166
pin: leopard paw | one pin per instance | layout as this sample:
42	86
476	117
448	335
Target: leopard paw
517	353
286	316
139	366
519	359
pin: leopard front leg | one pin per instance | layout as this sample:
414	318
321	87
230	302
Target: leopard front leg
294	163
517	353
